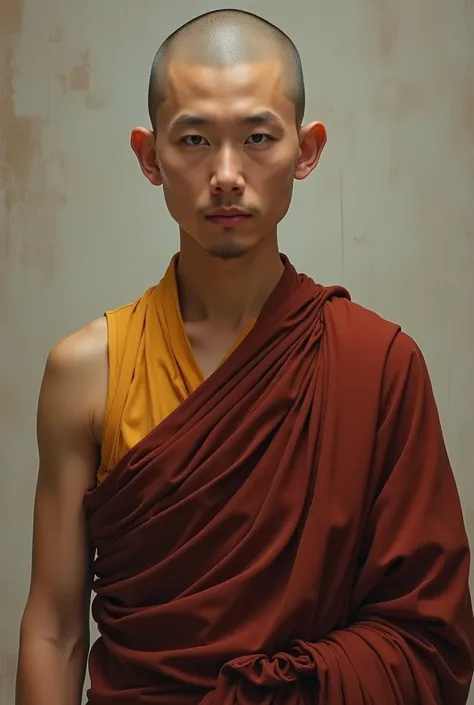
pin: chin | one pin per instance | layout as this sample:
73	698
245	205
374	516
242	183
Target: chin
227	250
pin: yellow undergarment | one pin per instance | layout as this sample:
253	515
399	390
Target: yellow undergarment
152	368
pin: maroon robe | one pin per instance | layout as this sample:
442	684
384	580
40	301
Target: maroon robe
292	533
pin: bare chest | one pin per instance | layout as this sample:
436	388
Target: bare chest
211	345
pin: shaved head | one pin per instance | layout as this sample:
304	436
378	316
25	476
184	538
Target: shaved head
226	103
221	39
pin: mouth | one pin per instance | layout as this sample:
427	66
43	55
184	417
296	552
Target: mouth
229	218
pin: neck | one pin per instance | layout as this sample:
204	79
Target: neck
226	293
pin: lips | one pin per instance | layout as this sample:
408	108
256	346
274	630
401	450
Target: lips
232	216
229	221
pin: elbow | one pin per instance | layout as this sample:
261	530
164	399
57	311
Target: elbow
70	638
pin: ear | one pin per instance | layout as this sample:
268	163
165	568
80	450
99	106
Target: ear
313	138
142	141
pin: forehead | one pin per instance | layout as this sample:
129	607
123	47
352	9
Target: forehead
225	92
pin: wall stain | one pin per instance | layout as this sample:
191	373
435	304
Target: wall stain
19	136
57	34
80	76
30	206
388	29
396	100
18	149
384	20
11	15
78	79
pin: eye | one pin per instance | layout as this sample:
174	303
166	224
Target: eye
259	138
194	141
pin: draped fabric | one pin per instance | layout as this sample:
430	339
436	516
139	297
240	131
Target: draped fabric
152	368
291	534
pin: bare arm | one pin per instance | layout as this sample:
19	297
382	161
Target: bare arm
54	635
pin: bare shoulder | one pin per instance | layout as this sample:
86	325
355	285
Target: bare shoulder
75	380
82	349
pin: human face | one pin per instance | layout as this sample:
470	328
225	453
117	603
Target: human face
227	151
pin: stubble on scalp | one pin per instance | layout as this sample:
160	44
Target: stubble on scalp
225	38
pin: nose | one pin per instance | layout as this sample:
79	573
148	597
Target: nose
227	174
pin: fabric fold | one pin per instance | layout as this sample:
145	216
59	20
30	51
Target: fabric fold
292	532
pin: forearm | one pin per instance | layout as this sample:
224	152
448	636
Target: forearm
50	673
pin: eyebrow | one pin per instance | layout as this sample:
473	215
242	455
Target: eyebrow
265	117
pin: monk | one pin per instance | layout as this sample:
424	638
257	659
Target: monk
245	467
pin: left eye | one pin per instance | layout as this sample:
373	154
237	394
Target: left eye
259	138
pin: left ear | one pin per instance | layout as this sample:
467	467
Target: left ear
313	138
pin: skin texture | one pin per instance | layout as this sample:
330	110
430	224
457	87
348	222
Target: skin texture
240	146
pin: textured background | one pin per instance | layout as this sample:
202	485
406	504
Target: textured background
389	212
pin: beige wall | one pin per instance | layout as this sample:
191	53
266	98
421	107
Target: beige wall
389	213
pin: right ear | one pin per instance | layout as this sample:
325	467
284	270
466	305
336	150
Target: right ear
142	141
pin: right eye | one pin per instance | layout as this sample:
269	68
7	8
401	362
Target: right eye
194	141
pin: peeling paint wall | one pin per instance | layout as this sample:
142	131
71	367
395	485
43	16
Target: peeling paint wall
389	212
